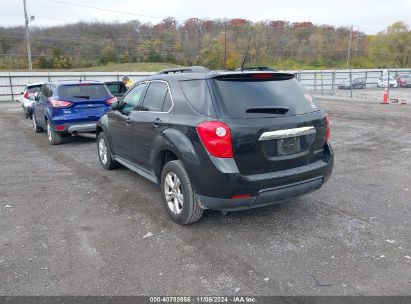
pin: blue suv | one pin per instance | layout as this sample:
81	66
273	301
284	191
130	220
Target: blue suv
66	108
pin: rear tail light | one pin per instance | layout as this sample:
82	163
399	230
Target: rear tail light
241	196
327	127
59	128
26	94
262	76
216	138
55	103
111	101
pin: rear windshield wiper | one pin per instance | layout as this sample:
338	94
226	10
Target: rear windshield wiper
269	110
85	97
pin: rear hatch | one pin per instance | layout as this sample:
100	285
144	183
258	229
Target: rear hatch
275	124
89	100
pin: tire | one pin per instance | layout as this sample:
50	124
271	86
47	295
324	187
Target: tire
36	128
53	137
185	210
104	153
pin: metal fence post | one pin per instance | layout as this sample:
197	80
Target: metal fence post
11	87
315	81
48	77
351	82
366	78
333	80
388	83
322	83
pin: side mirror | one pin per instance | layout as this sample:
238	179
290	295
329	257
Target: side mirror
116	106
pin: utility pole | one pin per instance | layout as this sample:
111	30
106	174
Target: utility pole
225	45
349	49
27	20
358	42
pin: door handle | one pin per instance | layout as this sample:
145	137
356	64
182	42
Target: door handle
128	121
157	122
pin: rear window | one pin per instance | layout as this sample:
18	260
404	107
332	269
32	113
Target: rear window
250	99
84	92
33	89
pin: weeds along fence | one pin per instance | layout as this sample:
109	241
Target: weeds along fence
317	81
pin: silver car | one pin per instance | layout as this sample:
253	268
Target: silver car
26	102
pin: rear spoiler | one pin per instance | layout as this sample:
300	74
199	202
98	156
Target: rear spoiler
265	76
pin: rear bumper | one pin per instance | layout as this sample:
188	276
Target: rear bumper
264	189
76	128
264	198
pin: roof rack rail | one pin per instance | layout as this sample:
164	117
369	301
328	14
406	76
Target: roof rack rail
258	68
191	69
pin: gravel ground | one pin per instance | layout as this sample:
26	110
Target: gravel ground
371	95
68	227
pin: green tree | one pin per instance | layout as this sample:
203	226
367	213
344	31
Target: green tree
392	46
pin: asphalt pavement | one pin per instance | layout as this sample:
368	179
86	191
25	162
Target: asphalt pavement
68	227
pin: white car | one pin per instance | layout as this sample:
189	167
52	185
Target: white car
383	82
26	102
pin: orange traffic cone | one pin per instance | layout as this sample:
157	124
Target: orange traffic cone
385	98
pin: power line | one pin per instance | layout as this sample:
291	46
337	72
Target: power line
104	9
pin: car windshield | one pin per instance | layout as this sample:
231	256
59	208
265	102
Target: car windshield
84	92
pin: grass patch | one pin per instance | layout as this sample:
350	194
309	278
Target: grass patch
130	67
116	67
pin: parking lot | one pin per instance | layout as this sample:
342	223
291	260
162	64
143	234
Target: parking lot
369	95
69	227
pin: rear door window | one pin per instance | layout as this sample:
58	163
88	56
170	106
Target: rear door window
250	99
133	97
155	98
168	104
83	92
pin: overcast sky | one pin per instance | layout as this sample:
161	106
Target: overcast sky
370	16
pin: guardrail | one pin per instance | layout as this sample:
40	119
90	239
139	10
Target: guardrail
320	80
13	83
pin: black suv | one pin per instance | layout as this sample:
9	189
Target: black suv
219	140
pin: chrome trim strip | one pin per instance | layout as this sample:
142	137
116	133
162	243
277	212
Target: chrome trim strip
82	127
287	133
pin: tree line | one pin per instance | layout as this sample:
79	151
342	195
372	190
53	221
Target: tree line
216	44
